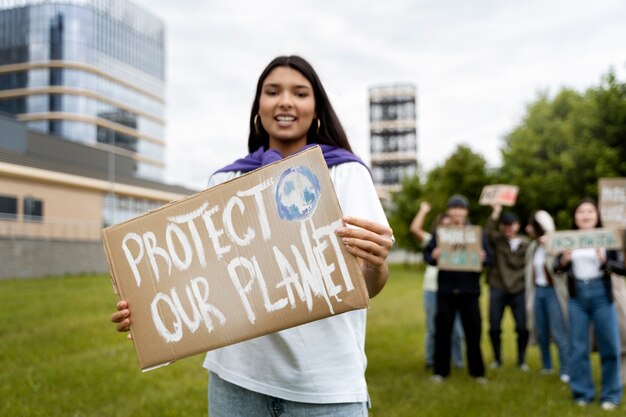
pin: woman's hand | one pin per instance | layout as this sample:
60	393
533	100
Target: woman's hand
122	317
566	258
371	243
601	256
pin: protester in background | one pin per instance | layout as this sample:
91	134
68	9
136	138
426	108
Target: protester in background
319	367
506	282
546	297
457	291
591	302
619	295
616	268
430	292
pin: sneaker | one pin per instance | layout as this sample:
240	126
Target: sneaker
608	406
524	367
565	378
495	365
481	380
436	379
459	365
546	371
582	403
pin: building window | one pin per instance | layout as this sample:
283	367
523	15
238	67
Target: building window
8	208
33	209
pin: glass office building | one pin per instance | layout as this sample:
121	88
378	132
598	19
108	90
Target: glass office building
88	71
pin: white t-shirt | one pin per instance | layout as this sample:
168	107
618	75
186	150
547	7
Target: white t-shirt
515	243
319	362
431	272
539	264
586	264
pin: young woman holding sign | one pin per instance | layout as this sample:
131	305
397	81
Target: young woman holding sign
317	368
591	301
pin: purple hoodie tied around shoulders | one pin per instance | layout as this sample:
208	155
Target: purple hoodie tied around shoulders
259	158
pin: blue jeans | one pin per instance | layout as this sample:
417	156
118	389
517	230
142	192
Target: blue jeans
498	300
549	321
430	308
591	305
230	400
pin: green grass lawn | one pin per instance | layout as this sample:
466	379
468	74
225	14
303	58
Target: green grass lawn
60	356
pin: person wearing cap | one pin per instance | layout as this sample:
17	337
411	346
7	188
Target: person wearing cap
546	297
506	282
457	291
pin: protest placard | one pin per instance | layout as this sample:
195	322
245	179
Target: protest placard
612	202
243	259
459	248
583	239
502	194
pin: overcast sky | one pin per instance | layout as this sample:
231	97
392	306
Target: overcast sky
476	64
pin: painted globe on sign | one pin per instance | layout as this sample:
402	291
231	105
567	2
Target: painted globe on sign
297	193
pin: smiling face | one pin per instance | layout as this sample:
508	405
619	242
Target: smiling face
586	216
286	109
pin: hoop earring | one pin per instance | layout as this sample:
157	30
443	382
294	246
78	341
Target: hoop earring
319	123
256	128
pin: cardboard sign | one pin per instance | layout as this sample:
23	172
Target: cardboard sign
504	195
459	248
612	202
243	259
583	239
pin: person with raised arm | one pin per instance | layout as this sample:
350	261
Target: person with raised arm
430	291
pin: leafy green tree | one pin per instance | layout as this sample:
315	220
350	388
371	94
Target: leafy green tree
464	172
404	205
610	117
556	155
564	145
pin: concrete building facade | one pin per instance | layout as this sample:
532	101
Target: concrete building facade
393	135
81	129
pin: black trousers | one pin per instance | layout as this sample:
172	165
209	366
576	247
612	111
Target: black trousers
469	310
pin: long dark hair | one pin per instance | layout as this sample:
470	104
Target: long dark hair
580	203
330	132
539	230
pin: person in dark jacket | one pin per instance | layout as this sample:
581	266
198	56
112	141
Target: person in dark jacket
506	282
458	291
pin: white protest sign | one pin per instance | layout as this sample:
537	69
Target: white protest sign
502	194
557	242
612	202
246	258
459	248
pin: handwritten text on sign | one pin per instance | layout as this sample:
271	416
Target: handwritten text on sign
183	246
249	257
583	239
612	201
504	195
459	248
